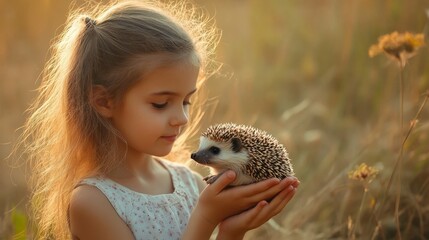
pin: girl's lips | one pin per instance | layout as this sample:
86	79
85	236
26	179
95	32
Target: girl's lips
171	138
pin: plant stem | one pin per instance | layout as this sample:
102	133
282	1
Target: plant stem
401	94
398	195
410	129
400	160
360	211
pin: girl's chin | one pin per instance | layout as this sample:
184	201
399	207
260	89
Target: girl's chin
162	152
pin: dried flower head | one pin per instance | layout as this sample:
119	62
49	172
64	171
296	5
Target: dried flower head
363	173
399	46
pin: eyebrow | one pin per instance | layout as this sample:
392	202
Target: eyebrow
172	93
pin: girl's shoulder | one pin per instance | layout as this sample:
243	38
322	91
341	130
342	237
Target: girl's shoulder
88	199
92	215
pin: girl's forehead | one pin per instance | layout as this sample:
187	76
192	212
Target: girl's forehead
178	76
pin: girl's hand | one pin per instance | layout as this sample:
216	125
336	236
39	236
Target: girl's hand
236	226
216	203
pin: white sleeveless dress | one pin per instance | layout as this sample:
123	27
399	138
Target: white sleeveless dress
162	216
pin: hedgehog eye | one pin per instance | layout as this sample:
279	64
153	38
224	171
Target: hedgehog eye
214	150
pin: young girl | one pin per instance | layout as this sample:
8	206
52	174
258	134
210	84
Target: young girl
114	99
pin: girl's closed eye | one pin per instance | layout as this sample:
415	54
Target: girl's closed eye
160	105
164	105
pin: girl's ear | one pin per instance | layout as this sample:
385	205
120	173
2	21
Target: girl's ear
101	101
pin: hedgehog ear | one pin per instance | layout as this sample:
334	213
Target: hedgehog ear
236	144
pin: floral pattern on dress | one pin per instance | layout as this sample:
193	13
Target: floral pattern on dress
162	216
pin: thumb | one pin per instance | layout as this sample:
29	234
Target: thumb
223	181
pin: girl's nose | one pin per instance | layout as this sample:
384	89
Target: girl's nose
180	117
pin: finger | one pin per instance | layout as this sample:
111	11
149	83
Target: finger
255	188
253	214
276	205
282	200
273	191
295	180
273	208
224	180
296	183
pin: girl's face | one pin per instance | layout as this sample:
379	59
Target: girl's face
152	112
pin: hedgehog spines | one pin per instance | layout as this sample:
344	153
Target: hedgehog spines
268	157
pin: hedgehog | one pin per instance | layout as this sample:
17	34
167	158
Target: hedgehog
253	154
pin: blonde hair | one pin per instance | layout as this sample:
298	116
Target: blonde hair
66	140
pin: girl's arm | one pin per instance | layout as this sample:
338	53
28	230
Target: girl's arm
93	217
217	203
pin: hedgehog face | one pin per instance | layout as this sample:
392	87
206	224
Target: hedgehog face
221	156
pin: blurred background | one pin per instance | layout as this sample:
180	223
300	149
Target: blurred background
297	69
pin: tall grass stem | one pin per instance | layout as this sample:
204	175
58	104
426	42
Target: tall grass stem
410	129
357	225
401	116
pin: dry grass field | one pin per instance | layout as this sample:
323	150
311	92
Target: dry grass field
299	70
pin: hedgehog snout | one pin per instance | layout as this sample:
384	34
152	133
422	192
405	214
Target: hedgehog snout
201	157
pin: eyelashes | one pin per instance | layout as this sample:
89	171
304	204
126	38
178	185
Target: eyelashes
159	105
164	105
